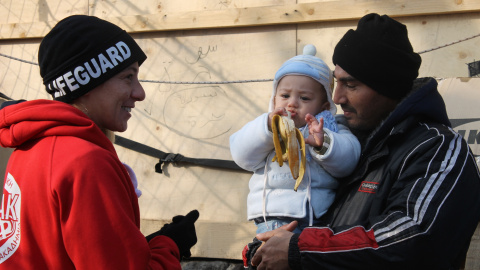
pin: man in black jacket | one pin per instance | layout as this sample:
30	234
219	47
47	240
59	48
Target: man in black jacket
413	202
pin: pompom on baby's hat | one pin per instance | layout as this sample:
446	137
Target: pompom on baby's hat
306	64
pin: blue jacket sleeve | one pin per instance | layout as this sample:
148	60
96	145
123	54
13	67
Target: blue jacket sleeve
342	155
251	145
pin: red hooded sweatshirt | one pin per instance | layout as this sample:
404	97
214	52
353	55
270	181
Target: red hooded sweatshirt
68	202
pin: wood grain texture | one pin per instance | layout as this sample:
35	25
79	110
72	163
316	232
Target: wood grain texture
160	20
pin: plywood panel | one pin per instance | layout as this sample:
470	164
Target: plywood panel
433	32
196	120
215	240
219	195
294	13
118	9
21	79
425	32
289	13
19	11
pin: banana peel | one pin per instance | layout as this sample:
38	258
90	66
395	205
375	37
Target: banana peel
289	146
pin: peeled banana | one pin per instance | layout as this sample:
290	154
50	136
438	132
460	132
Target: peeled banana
289	146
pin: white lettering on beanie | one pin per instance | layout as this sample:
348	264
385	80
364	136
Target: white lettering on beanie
94	68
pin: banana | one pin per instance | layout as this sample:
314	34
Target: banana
289	146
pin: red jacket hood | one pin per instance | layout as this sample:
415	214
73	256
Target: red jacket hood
30	120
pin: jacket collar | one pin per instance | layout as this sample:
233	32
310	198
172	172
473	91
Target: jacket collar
423	102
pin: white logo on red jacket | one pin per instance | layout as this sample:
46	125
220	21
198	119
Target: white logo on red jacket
10	219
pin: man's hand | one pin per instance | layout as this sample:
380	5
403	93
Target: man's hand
315	131
274	253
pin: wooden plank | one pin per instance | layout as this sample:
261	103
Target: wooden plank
29	18
202	117
256	16
121	8
16	11
425	33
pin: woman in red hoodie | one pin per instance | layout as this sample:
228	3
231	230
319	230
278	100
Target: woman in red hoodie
68	202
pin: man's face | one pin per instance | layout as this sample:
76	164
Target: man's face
109	105
363	107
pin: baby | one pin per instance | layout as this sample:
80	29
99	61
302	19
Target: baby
303	87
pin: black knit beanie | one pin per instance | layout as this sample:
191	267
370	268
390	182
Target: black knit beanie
81	52
379	54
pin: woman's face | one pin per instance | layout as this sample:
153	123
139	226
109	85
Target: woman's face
109	105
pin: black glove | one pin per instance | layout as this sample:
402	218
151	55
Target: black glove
181	231
248	252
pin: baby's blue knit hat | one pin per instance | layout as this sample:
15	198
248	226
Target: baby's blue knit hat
306	64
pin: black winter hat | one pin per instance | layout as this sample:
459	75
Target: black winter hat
81	52
380	55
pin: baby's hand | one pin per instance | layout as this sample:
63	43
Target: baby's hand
315	131
277	111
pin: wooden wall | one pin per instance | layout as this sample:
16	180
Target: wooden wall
220	41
